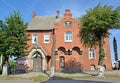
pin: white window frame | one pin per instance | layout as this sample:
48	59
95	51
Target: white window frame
91	53
33	38
68	24
46	37
68	37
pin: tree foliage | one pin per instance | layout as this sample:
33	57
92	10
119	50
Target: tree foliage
12	36
96	23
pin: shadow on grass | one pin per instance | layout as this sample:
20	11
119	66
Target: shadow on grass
72	73
86	73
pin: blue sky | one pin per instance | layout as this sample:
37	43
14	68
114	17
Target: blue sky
49	8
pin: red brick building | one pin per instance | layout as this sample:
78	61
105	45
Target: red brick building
70	52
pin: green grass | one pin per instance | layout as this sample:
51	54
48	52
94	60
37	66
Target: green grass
75	77
37	78
40	78
10	78
112	76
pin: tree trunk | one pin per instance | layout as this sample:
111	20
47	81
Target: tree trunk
5	70
100	72
101	56
52	70
1	61
5	67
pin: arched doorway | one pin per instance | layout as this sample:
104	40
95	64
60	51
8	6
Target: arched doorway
62	63
37	62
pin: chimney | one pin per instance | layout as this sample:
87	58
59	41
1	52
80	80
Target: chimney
58	14
33	15
67	14
67	11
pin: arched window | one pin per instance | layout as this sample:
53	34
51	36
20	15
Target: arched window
76	50
61	50
36	54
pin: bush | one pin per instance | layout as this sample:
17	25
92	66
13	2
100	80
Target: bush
12	67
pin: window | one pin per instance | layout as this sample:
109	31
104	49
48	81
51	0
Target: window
46	38
91	53
68	36
34	38
68	24
76	50
61	50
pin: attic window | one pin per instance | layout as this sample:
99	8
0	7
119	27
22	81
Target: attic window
68	24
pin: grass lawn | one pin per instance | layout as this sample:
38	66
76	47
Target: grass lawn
44	77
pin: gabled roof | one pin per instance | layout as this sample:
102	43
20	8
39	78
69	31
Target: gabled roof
44	22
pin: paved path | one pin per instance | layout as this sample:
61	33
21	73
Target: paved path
73	81
53	81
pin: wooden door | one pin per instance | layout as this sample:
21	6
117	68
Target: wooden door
37	64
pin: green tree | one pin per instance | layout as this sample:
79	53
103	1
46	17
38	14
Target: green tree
13	38
95	25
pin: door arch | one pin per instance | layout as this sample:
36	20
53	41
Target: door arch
37	62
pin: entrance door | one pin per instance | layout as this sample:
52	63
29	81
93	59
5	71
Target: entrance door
62	63
37	62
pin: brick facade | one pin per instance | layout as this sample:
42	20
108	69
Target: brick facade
70	52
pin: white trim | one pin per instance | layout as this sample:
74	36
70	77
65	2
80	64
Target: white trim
68	24
90	54
48	38
36	55
34	35
69	39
